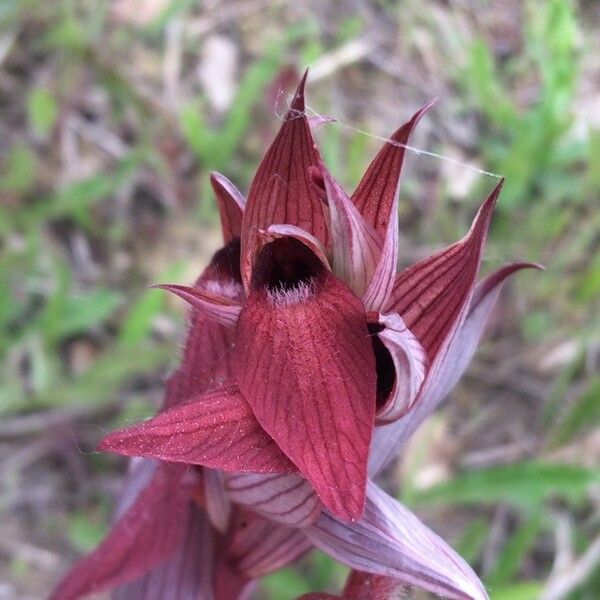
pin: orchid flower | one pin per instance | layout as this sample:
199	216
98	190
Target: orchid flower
313	362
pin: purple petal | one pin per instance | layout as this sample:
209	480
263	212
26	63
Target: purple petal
222	309
187	574
446	371
231	206
286	499
261	547
410	360
390	541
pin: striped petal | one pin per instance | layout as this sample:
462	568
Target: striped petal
433	295
216	430
259	547
376	198
207	351
449	367
281	191
390	541
286	499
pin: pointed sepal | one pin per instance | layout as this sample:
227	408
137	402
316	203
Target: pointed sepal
216	430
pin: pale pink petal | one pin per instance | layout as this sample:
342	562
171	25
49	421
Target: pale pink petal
231	204
356	246
286	499
410	362
389	540
218	503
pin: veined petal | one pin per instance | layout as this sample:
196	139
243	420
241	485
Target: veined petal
389	540
433	295
216	430
288	498
187	574
376	195
223	310
261	547
410	361
281	191
376	198
279	231
144	536
218	503
231	204
356	246
448	369
305	364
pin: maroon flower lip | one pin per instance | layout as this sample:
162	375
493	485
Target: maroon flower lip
309	363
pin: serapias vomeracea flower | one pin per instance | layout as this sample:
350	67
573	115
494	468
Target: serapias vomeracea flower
313	361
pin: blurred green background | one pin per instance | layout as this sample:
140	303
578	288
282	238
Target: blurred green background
112	113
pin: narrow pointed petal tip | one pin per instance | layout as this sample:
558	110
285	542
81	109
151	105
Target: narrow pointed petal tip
376	199
231	204
493	280
281	191
224	310
298	101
